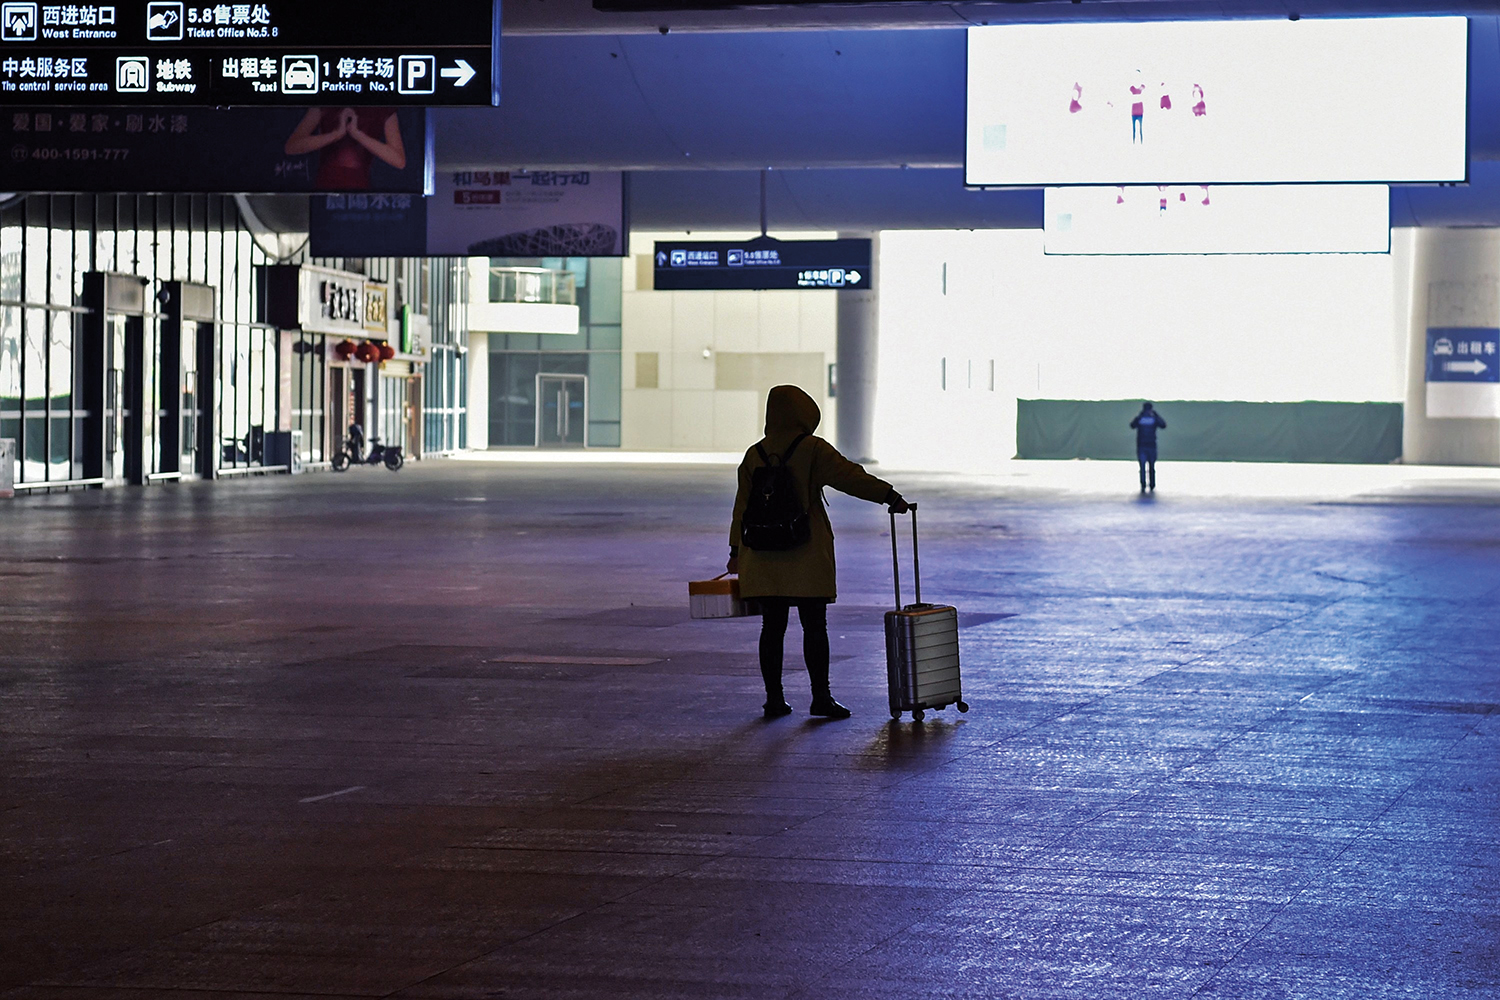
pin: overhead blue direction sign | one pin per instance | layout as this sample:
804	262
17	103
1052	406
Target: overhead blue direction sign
762	264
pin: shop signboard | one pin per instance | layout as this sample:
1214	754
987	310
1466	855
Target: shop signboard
316	299
763	263
377	307
349	53
483	213
54	148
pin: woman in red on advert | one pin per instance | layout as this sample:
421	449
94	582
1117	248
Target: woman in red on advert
345	142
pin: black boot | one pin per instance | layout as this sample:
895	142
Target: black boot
815	652
776	705
825	706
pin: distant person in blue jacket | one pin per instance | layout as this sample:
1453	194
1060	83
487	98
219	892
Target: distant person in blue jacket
1146	424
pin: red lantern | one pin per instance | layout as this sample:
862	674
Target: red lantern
368	352
344	349
387	352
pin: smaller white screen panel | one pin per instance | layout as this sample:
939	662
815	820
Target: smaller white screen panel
1232	102
1205	219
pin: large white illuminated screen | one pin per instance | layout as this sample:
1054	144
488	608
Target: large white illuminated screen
1207	218
1202	102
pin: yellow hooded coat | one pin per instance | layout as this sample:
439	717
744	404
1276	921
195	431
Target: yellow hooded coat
808	570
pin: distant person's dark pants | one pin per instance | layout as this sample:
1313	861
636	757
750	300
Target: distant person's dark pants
1147	457
813	613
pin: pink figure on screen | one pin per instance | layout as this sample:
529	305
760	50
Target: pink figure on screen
1120	198
1163	192
1166	100
1073	106
1205	193
1200	109
1182	196
1138	109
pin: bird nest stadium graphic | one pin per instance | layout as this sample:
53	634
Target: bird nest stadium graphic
587	239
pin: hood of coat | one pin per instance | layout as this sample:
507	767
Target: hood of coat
789	412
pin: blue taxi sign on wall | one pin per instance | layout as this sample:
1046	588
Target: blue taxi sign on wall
1463	354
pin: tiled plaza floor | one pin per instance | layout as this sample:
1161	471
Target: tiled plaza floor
450	734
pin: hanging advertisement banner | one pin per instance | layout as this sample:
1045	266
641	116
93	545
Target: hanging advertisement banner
1218	219
481	213
188	150
1273	101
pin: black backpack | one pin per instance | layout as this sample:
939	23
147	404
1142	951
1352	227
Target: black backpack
775	519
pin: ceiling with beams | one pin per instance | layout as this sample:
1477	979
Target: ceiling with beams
560	17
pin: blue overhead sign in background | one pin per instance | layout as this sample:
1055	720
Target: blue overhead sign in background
1463	354
762	264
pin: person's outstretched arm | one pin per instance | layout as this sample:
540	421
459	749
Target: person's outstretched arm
1161	424
832	469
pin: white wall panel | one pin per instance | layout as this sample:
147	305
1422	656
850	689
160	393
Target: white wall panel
1256	328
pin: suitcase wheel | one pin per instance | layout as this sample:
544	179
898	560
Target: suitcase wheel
963	706
896	714
917	715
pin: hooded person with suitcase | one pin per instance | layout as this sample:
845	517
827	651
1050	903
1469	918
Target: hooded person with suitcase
781	542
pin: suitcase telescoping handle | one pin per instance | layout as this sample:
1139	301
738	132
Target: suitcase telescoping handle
916	561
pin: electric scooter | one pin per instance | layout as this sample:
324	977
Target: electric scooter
388	455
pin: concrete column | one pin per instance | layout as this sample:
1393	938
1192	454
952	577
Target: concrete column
1455	282
858	342
478	360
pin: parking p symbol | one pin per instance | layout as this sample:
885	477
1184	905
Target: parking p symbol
418	75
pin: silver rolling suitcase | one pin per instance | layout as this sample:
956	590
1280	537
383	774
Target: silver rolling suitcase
921	645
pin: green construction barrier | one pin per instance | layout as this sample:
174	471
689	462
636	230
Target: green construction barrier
1212	430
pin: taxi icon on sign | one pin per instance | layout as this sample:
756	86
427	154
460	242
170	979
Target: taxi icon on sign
299	75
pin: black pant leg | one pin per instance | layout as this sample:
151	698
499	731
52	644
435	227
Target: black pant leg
814	618
773	620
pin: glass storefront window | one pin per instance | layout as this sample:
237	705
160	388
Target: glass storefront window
309	394
50	243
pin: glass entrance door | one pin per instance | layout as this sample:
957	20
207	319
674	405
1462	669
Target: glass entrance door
191	414
562	412
114	399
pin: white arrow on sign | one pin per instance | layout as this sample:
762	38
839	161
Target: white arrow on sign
460	71
853	277
661	258
1472	367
